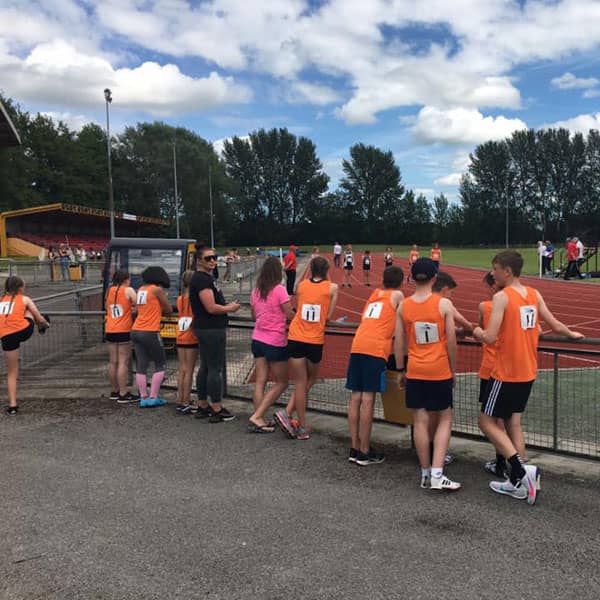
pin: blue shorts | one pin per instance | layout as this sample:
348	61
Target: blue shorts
271	353
430	395
366	373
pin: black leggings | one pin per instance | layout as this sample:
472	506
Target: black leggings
209	380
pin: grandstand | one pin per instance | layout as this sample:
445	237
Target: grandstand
31	231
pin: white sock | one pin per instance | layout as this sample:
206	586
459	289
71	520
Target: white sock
437	473
425	472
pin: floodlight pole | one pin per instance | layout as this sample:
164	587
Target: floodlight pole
210	202
506	217
111	200
175	187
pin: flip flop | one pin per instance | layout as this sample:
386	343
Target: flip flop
254	428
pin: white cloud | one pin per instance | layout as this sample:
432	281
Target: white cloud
461	126
429	193
219	145
452	179
591	93
57	73
74	122
568	81
580	123
312	93
461	160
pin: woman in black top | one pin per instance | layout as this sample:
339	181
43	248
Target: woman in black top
210	325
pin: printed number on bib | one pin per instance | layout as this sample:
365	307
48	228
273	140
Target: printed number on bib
6	308
116	311
374	310
184	323
528	317
142	297
311	313
426	333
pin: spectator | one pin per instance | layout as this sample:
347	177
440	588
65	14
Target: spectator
541	250
81	255
228	262
315	252
572	255
63	257
337	255
271	307
210	327
580	252
290	264
549	256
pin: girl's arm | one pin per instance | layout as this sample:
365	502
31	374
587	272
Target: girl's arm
161	296
35	313
333	294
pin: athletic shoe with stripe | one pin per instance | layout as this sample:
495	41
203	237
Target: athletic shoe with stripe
114	396
127	398
204	413
443	483
426	481
283	420
352	455
303	433
532	482
371	458
507	488
185	409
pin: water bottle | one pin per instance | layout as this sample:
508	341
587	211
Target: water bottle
342	319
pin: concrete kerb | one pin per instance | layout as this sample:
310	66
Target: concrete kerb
464	449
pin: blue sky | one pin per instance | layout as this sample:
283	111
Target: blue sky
428	80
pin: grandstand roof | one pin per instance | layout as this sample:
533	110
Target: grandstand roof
82	210
8	132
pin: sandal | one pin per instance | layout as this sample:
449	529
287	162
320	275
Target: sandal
254	428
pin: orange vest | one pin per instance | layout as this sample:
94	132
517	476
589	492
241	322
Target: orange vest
374	334
148	309
436	254
516	354
425	330
12	315
119	316
413	256
185	333
489	350
308	324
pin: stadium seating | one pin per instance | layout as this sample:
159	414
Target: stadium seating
87	242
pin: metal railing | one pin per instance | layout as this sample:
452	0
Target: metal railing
563	413
45	271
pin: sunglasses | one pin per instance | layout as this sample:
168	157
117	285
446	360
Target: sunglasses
208	258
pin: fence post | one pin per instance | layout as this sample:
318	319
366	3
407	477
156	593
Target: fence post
555	403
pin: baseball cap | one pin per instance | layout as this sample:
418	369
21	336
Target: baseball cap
292	247
423	269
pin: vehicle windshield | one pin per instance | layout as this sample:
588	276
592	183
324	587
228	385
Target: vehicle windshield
135	260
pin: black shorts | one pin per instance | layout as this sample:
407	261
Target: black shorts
269	352
186	345
366	269
504	398
312	352
348	267
13	341
365	373
483	383
430	395
118	338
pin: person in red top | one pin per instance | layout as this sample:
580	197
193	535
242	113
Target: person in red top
120	303
371	347
317	298
514	324
572	256
187	347
425	328
290	264
152	302
436	255
17	316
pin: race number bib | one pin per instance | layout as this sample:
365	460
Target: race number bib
426	333
311	313
6	308
184	323
116	311
528	317
367	262
142	297
374	310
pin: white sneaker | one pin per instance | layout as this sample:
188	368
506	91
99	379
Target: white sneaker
426	482
531	482
443	483
506	487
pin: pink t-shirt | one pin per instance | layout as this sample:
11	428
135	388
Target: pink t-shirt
270	318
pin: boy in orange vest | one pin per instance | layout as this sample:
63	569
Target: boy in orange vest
514	324
425	327
371	347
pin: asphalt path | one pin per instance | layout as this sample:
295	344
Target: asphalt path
106	501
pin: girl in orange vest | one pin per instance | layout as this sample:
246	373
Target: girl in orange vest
17	316
317	298
187	347
412	259
120	303
152	303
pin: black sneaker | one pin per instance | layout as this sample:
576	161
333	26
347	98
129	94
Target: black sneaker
204	413
353	455
12	410
114	396
127	398
222	416
185	409
372	458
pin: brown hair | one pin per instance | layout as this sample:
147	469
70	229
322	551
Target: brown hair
443	280
392	277
509	259
269	276
319	267
185	280
488	279
12	285
119	278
